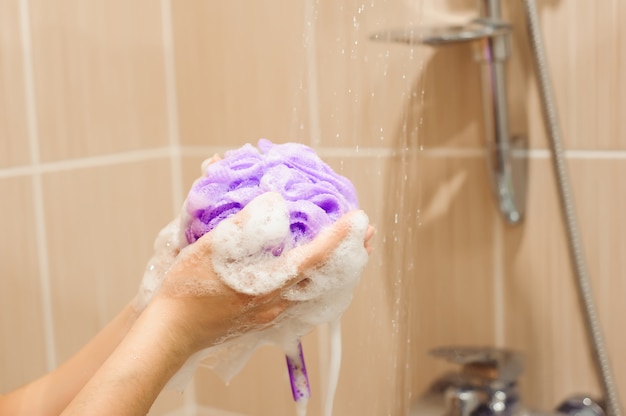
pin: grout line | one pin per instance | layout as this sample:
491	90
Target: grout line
203	151
86	162
574	154
207	151
532	153
448	152
16	171
173	134
40	224
595	154
172	108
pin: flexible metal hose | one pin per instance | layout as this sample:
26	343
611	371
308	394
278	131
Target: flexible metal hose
594	331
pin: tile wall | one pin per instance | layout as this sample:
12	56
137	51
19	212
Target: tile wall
107	109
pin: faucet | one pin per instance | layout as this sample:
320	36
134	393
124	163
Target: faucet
486	385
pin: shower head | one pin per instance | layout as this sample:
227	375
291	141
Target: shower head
443	35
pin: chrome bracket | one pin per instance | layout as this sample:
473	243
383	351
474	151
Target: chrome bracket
489	36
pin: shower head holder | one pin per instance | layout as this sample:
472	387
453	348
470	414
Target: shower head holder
489	37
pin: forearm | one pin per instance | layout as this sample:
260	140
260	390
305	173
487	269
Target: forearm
136	372
50	394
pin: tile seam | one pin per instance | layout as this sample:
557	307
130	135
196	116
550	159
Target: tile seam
37	186
207	151
176	178
171	98
86	162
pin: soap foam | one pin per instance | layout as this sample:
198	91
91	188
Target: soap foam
250	255
166	247
245	248
244	260
334	365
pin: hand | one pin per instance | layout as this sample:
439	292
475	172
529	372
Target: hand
205	310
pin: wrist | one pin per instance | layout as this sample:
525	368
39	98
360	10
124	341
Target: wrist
138	369
163	324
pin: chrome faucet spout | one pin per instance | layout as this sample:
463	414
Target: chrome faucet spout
486	385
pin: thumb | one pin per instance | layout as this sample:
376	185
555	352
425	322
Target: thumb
314	255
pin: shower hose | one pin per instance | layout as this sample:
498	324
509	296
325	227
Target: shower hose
594	331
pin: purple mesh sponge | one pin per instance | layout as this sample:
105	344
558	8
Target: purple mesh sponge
315	195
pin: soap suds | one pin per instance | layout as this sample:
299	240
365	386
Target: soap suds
243	261
166	247
253	253
243	250
334	365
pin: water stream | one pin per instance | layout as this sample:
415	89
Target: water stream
370	118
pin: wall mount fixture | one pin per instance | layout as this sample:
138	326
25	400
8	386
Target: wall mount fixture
489	36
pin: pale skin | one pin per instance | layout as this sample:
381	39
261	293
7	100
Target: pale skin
122	370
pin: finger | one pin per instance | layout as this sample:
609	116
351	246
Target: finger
368	236
270	303
205	242
207	162
316	253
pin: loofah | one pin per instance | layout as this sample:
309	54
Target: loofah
315	195
292	196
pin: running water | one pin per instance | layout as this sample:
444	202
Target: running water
374	110
334	365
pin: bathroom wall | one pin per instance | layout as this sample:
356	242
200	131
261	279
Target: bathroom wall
108	107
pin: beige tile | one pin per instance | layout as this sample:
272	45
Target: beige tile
374	327
543	318
13	124
582	44
101	226
366	89
262	387
451	262
620	88
584	53
428	282
452	109
167	403
22	350
371	92
239	69
599	196
99	77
